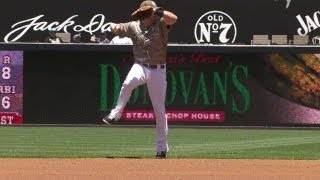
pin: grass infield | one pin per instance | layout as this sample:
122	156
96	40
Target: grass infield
93	142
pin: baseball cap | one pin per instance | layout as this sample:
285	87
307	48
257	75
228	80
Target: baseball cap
144	3
148	3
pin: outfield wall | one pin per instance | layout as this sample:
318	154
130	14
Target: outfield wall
207	85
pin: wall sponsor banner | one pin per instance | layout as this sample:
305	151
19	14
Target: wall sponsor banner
215	27
201	86
19	29
209	21
219	89
179	115
250	89
308	23
309	26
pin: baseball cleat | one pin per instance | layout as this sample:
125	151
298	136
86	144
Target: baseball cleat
161	155
109	120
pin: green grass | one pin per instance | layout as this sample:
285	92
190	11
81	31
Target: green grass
80	142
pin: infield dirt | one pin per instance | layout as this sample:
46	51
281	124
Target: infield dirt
158	169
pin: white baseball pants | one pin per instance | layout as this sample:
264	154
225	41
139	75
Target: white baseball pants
157	85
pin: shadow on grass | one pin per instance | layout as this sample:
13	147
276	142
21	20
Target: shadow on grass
129	157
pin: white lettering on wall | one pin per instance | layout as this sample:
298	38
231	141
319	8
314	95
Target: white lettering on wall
215	27
308	24
97	23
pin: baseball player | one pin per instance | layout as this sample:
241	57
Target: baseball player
150	37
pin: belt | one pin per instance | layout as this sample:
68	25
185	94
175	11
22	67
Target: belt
160	66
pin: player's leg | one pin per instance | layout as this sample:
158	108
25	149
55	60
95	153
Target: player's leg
157	86
135	77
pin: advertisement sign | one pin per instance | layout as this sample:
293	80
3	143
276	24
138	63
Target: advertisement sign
213	88
215	27
201	21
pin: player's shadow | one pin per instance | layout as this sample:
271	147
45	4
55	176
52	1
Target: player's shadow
129	157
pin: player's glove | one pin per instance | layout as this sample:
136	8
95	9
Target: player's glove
143	12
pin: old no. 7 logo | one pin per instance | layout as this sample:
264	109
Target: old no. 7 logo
215	27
